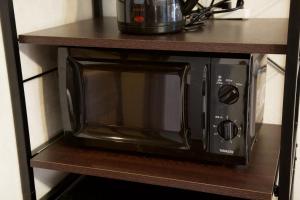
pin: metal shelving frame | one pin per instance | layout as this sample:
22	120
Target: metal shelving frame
290	106
290	103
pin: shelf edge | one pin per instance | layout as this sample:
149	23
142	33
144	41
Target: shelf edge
155	45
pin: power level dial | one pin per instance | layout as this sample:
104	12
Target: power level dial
228	94
228	130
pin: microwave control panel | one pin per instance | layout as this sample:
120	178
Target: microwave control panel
228	110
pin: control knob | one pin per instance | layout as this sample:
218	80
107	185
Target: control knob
228	130
228	94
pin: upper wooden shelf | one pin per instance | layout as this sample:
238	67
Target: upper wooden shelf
255	181
222	36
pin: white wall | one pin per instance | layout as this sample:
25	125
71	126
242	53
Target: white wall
274	92
268	8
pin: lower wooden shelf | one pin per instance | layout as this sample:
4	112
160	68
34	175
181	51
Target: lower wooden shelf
256	181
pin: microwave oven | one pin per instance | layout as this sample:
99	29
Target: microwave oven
190	106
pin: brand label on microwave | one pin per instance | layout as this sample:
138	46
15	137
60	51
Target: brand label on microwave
227	151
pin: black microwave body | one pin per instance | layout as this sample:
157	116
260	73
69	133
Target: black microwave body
192	107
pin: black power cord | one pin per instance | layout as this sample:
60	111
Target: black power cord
196	14
276	66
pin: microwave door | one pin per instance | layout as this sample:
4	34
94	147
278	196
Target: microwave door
133	104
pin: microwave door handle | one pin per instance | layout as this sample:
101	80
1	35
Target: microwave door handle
184	86
80	84
205	125
70	104
63	65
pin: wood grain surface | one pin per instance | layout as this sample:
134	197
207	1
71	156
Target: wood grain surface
223	36
254	181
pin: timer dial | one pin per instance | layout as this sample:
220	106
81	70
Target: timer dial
228	94
228	130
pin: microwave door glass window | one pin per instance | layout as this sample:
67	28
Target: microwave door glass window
130	105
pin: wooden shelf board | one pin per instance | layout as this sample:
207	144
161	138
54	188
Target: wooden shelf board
222	36
255	181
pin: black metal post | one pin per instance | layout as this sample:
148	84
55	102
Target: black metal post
290	105
17	96
97	8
